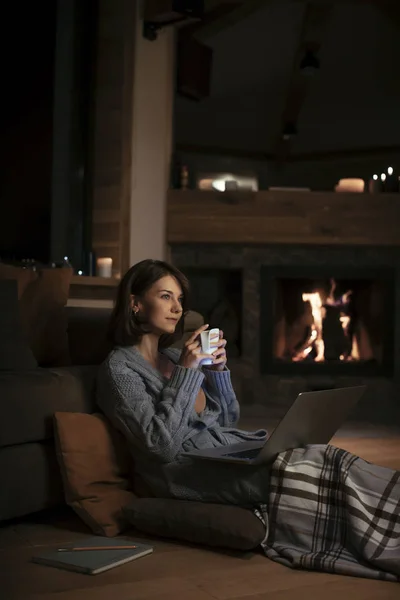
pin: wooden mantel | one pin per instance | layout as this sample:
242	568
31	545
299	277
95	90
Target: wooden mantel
283	217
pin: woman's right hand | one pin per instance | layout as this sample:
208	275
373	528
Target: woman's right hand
192	355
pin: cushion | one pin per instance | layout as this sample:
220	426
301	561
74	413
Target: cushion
199	522
15	353
95	468
44	317
42	296
23	277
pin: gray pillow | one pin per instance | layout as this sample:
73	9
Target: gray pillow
15	353
199	522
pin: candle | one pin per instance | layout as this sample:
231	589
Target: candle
350	185
104	267
391	183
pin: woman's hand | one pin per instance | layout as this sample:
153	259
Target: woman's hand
192	355
219	355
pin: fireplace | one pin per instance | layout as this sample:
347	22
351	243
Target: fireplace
268	282
319	320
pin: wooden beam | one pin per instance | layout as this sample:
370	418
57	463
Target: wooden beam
214	14
360	2
374	151
313	27
194	59
162	11
215	2
390	9
222	14
223	151
240	12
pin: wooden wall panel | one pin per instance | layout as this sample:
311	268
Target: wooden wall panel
106	233
106	216
113	131
106	198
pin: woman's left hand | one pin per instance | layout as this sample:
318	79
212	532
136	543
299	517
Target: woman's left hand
219	355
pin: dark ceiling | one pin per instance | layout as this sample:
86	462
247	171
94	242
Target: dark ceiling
352	101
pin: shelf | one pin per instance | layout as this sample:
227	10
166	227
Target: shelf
89	303
283	217
95	281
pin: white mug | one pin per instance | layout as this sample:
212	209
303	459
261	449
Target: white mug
209	343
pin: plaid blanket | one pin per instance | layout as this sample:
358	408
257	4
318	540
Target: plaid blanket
331	511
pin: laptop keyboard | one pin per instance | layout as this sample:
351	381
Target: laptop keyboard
249	454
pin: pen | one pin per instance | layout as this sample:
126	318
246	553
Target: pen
80	549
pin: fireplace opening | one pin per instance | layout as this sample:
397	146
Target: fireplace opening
217	295
333	320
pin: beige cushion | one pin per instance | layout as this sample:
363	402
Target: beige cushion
95	467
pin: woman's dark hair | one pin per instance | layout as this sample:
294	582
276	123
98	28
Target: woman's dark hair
125	329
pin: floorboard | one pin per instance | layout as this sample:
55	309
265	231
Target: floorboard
176	570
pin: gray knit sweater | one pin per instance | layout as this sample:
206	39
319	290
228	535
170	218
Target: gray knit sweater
157	417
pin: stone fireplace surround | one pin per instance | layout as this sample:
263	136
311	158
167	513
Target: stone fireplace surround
277	392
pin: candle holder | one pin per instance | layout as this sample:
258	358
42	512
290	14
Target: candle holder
375	185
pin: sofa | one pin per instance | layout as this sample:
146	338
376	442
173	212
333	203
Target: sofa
31	394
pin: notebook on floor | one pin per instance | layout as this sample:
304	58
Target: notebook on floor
313	418
93	555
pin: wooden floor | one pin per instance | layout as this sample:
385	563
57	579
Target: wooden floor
179	571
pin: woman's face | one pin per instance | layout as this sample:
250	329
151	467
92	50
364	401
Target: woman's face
162	305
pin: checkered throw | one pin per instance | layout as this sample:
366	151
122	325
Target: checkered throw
331	511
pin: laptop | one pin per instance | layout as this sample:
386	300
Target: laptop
313	418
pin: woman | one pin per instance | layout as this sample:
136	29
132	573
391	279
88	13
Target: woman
165	402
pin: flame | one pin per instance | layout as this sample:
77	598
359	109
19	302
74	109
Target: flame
315	340
355	352
345	321
316	329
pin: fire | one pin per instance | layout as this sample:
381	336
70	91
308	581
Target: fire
315	341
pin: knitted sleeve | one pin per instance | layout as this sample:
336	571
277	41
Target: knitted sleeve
222	406
154	424
219	387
